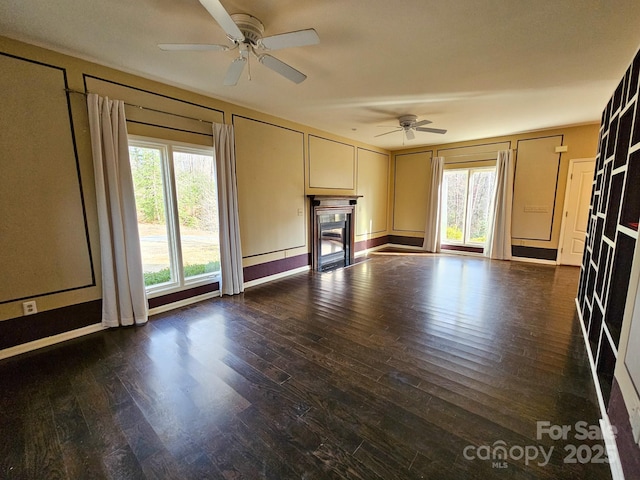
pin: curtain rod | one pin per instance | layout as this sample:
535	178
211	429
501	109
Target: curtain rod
68	90
475	154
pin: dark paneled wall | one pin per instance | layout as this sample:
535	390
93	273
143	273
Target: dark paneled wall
613	227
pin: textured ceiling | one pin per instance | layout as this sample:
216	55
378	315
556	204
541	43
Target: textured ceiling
478	68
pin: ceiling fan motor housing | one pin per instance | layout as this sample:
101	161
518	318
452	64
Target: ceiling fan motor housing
407	120
250	26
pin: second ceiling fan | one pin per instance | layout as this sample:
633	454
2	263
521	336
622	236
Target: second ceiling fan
408	124
245	33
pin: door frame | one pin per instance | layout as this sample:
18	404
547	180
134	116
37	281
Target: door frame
563	224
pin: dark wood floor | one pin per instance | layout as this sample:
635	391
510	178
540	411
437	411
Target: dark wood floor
388	369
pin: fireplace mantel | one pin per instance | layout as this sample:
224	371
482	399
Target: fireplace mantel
333	200
332	230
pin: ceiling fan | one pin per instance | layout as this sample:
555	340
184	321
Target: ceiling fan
409	125
245	33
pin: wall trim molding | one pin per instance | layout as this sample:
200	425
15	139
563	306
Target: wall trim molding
610	443
52	340
533	260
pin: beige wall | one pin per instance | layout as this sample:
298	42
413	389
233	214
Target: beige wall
411	180
411	183
34	171
373	184
332	166
274	166
270	169
534	188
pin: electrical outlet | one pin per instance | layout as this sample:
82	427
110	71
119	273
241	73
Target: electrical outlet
29	308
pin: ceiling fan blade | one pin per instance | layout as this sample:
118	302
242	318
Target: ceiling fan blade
196	47
422	122
387	133
299	38
431	130
220	15
282	68
234	71
409	133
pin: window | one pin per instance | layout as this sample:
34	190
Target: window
466	198
177	207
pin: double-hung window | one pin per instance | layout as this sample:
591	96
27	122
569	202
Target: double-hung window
466	199
177	208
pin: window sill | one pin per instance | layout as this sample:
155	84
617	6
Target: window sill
160	291
462	248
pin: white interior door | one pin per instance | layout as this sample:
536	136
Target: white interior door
576	211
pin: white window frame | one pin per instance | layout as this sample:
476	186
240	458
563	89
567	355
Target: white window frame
167	148
467	210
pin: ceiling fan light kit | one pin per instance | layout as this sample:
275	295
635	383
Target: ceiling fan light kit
245	32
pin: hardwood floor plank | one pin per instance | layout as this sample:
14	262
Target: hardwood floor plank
123	464
43	455
81	456
12	447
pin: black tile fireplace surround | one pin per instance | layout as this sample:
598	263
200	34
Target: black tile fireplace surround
332	231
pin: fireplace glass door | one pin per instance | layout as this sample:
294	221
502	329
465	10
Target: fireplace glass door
333	237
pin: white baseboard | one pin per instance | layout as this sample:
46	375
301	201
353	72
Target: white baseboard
613	456
260	281
406	247
47	341
533	260
362	253
605	424
183	303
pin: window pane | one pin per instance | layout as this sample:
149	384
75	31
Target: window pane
195	177
146	170
454	185
480	192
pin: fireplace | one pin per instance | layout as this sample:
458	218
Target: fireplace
332	231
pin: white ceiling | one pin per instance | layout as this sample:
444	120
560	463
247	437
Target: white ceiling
478	68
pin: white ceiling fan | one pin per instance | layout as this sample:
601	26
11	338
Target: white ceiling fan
409	125
245	33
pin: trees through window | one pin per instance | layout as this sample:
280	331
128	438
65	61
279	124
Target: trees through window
177	208
466	199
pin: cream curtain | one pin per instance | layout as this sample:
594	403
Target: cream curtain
230	248
498	245
124	299
432	227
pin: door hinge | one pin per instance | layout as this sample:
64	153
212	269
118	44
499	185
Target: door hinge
572	176
562	250
566	214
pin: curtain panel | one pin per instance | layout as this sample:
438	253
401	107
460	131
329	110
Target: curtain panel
432	226
124	299
498	245
230	247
